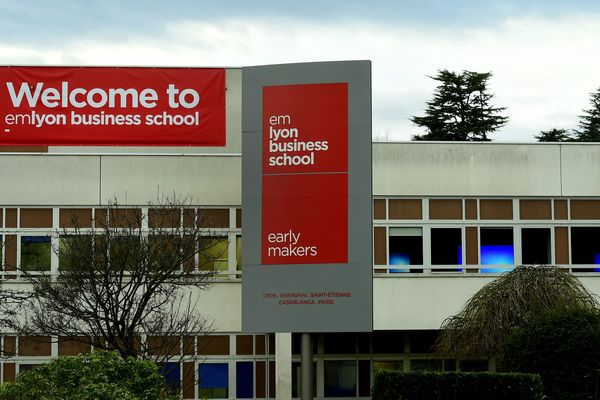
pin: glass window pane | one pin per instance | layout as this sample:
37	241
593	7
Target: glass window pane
497	248
297	379
388	365
585	246
244	379
535	245
214	254
446	246
425	365
171	371
405	247
238	252
125	253
35	253
164	251
340	378
213	381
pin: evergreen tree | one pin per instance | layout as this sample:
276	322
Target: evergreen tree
461	109
590	121
554	135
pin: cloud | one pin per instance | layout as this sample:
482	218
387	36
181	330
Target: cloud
544	69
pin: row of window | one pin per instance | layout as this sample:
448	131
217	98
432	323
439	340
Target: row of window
493	246
35	253
406	246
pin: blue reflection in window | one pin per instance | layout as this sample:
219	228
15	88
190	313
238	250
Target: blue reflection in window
497	255
172	374
397	258
214	380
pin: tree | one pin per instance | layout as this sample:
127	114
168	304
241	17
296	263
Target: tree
589	122
100	375
129	276
554	135
461	109
497	309
564	348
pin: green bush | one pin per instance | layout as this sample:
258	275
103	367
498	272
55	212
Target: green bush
564	348
96	376
456	386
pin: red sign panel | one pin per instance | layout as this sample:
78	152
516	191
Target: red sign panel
107	106
305	174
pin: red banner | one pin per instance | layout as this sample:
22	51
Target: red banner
110	106
305	174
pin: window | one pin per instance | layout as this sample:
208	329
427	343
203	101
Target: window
213	382
244	379
427	364
238	252
405	247
125	253
171	371
496	248
340	378
164	251
585	246
388	365
535	245
297	379
446	246
213	254
74	249
35	253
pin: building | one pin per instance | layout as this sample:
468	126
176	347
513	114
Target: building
447	218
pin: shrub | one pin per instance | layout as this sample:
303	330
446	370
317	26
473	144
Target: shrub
456	386
96	376
564	348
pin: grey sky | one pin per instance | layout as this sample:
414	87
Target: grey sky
543	54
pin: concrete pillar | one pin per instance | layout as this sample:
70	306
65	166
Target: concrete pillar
283	366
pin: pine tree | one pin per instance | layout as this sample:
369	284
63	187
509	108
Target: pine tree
461	109
554	135
590	121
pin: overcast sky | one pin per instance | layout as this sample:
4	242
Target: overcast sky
544	55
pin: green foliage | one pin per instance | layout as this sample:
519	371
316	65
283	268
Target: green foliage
506	303
460	109
554	135
589	122
564	348
456	386
96	376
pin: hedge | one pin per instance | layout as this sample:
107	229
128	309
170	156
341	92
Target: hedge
456	386
564	348
95	376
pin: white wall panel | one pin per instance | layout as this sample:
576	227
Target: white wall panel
222	304
138	180
43	180
420	302
581	169
466	169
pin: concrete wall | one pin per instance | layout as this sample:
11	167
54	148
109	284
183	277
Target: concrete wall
85	180
486	169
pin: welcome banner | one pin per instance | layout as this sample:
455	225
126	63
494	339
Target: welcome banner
112	106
